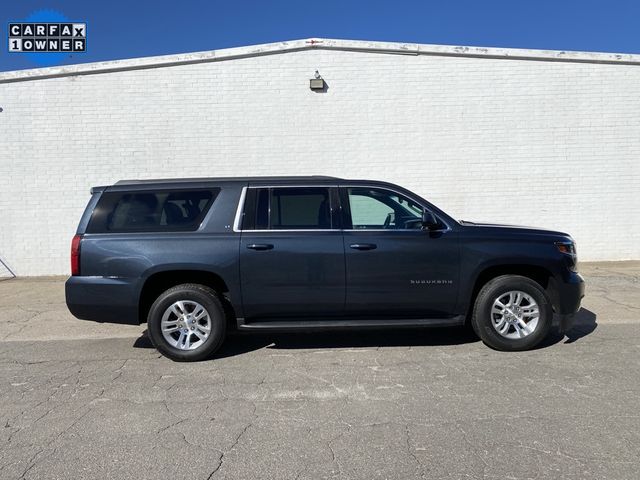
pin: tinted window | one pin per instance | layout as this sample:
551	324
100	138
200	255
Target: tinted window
373	208
150	211
287	208
262	209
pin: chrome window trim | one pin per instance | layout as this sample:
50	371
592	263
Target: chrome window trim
236	220
295	230
393	229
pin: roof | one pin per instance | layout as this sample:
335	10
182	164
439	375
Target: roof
208	182
308	178
318	44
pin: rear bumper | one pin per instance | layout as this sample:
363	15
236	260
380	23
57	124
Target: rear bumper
103	299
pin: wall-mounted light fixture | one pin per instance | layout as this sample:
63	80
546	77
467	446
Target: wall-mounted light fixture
316	83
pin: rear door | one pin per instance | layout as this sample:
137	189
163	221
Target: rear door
394	268
291	253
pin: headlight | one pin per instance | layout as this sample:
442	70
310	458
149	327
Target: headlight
569	249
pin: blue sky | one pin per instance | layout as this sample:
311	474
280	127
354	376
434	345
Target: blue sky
125	29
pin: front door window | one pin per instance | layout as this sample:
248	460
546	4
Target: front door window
376	209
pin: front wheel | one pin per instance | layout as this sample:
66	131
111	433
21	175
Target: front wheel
512	313
187	323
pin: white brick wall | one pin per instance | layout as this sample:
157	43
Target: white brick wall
546	143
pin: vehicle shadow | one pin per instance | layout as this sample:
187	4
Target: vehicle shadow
240	343
583	325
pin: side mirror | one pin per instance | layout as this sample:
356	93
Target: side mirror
429	221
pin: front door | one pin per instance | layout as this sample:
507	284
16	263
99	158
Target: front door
394	268
291	253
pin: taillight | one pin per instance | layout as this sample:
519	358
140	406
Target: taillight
75	255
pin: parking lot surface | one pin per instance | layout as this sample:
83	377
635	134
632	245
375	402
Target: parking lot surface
84	400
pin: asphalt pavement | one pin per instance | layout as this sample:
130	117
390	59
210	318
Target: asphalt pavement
91	401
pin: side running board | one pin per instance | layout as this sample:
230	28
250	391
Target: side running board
315	325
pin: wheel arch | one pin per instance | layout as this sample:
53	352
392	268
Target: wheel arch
538	274
160	281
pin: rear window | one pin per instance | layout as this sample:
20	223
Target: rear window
157	211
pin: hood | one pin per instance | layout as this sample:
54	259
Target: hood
513	228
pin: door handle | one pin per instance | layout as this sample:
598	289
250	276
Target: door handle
364	246
260	246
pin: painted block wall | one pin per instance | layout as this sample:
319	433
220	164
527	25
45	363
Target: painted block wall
543	143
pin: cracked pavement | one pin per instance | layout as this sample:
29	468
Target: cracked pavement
83	400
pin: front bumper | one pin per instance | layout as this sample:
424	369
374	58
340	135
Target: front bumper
566	295
103	299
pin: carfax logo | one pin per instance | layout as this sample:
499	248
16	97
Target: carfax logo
47	37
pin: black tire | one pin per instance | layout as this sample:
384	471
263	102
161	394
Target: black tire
481	320
201	294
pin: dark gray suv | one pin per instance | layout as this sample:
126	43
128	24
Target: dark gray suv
196	257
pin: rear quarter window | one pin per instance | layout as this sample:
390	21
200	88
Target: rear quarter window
151	211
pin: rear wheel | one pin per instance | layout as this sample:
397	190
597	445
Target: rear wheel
512	313
187	322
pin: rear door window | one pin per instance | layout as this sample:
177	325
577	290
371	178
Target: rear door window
156	211
288	208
